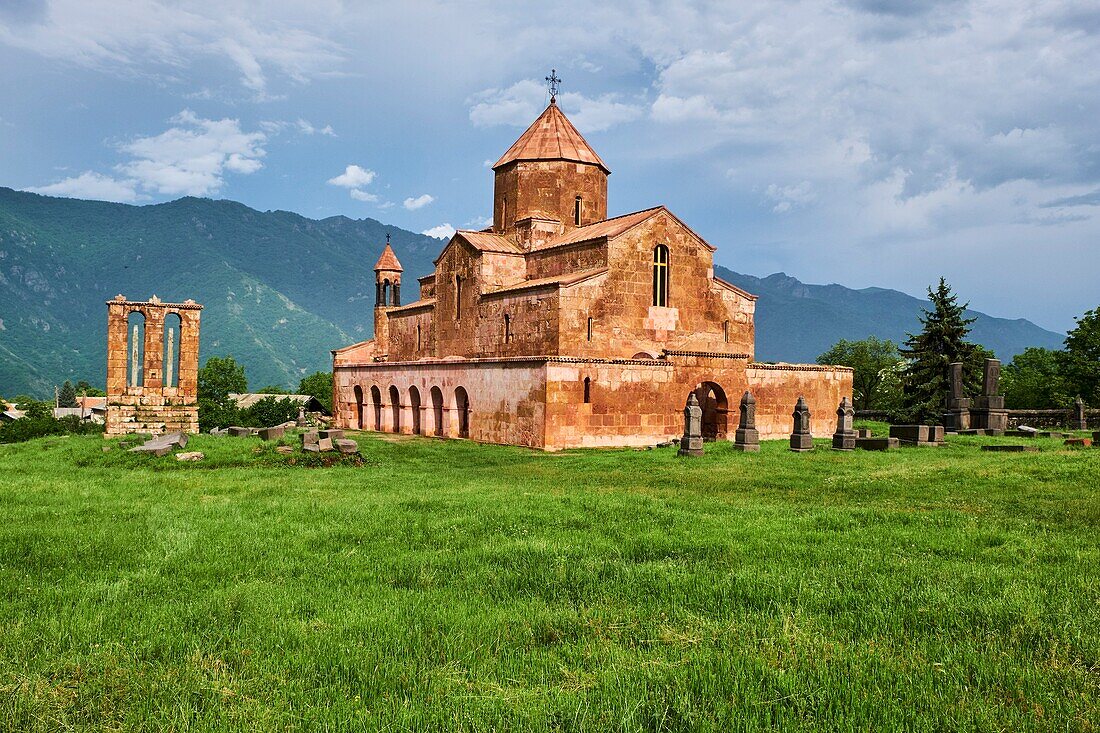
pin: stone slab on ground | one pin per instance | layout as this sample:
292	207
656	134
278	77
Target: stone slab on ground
332	434
177	439
1011	448
877	443
190	456
310	437
1078	442
981	431
284	449
346	446
239	432
311	448
1021	433
324	445
152	447
273	433
1054	434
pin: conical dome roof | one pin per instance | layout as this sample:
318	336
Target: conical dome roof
388	260
551	137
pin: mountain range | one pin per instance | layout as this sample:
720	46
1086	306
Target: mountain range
281	290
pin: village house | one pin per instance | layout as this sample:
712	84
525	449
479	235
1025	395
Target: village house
558	327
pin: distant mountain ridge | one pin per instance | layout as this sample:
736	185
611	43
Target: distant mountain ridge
281	290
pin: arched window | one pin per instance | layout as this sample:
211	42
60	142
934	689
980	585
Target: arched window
173	328
587	390
590	328
135	349
660	275
385	300
726	331
458	297
418	337
507	328
577	211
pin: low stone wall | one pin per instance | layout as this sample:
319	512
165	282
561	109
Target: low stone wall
1031	418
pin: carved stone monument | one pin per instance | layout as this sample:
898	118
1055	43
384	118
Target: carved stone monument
989	413
692	442
957	416
1079	421
158	393
845	436
747	438
801	438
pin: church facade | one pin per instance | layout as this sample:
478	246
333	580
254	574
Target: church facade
558	327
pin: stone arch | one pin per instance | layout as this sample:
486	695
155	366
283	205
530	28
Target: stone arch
385	293
376	402
715	406
135	348
643	355
414	409
462	412
358	393
587	390
173	330
436	395
395	409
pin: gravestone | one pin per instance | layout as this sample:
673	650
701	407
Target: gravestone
239	432
802	440
877	443
272	433
301	422
845	437
1079	422
989	413
346	446
957	416
309	437
1011	448
747	437
692	442
334	434
921	435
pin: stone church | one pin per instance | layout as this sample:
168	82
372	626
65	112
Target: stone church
558	327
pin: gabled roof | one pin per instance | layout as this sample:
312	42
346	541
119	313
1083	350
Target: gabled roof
564	280
483	242
606	228
551	137
388	260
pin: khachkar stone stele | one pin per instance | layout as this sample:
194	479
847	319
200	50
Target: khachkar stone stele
801	438
747	438
152	386
845	436
692	442
989	413
957	416
1079	421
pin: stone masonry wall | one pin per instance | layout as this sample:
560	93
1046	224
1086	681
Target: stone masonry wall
548	188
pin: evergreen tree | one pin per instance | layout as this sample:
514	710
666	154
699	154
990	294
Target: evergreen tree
67	396
941	342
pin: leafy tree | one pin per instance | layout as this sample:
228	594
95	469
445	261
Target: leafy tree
83	388
218	378
941	341
1034	380
319	385
1081	360
269	411
67	396
272	389
20	400
873	360
35	409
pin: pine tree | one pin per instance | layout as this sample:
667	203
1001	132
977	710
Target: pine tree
941	342
67	396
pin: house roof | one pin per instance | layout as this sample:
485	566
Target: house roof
484	242
388	261
565	280
551	137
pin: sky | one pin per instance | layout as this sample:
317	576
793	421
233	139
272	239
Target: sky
867	142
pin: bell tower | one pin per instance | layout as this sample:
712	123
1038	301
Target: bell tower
550	181
387	293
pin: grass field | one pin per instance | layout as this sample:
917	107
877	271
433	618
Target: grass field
454	586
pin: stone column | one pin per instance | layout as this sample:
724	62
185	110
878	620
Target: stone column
845	436
117	378
747	437
802	439
188	379
692	442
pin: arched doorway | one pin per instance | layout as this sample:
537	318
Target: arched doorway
712	400
437	411
414	407
395	409
462	412
376	403
358	407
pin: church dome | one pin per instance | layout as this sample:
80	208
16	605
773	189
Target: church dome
551	137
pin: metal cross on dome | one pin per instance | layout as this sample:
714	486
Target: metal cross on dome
552	83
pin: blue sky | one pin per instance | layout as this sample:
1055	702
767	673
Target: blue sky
869	142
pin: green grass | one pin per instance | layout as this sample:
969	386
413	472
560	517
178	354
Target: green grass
453	586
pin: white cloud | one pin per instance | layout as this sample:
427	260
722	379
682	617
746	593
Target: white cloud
519	105
91	185
306	128
443	231
361	195
192	157
354	176
788	197
479	222
412	204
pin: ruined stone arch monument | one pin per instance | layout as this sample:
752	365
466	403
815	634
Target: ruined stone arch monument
152	369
